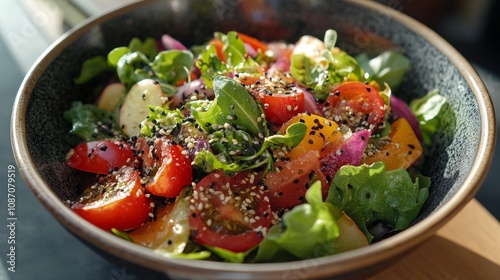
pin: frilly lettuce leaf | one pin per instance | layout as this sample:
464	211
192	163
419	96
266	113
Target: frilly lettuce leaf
324	71
306	231
370	194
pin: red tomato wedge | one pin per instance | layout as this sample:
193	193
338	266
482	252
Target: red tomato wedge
287	188
357	105
101	156
116	201
171	172
230	212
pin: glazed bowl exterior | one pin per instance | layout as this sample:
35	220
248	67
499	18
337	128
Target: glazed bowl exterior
460	156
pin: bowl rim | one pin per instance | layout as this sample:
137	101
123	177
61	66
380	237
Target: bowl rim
345	262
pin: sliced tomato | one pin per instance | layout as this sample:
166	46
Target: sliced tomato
101	156
230	212
116	201
288	186
357	105
170	171
280	98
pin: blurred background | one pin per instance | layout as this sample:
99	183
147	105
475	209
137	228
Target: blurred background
28	27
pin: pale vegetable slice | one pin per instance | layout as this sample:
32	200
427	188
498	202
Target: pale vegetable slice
169	233
135	107
111	97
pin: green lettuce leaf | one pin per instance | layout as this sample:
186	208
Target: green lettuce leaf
369	194
307	231
434	114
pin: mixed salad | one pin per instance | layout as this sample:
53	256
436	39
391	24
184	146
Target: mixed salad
241	150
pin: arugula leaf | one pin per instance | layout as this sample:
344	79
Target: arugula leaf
434	113
306	231
84	119
238	106
369	194
92	68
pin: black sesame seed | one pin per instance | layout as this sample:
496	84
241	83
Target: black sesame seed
368	195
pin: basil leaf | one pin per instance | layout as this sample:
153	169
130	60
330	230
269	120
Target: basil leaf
238	106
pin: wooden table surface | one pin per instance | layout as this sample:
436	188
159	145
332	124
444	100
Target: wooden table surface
468	247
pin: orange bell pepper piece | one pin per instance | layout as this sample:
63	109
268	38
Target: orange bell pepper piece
402	151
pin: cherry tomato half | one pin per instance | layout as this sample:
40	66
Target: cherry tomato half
116	201
229	212
171	172
280	98
357	105
101	156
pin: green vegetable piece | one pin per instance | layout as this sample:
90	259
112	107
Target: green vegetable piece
306	231
434	114
148	47
330	39
389	67
234	49
159	118
130	68
238	106
173	65
115	55
369	194
92	68
84	119
228	255
209	163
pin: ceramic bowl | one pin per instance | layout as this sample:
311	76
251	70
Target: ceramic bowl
460	157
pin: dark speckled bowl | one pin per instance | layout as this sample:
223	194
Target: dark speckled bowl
461	155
